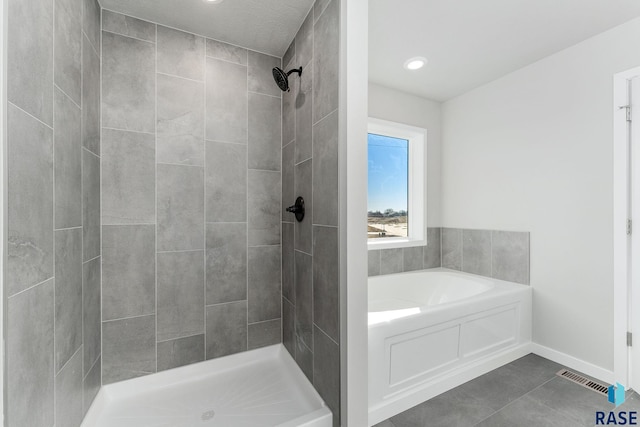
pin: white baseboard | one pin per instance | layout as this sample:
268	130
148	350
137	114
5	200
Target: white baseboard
574	363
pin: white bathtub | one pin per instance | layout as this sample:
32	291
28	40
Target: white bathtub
432	330
261	387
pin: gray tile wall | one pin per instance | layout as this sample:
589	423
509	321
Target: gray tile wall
390	261
191	199
53	263
499	254
310	249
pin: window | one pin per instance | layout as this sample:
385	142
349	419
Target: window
396	185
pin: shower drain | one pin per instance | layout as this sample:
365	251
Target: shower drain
206	416
583	381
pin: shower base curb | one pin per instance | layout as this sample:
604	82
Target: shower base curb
251	372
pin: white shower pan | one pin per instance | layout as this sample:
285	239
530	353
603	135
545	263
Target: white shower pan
261	387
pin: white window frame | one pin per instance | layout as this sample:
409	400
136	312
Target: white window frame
417	138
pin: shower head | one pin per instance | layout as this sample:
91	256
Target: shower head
282	78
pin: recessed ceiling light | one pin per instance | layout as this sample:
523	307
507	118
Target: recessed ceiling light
415	63
213	1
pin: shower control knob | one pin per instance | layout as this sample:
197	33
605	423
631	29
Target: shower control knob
297	209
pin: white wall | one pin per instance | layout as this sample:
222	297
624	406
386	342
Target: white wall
352	155
389	104
532	151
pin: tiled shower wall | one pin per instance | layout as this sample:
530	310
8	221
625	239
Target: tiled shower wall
52	275
310	252
503	255
191	198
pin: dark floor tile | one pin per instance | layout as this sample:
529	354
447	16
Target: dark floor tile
537	367
526	412
509	382
450	409
572	400
631	403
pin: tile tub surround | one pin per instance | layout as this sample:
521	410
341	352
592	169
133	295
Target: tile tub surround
53	266
310	249
192	195
501	255
390	261
538	397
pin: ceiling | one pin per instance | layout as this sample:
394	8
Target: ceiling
266	26
469	43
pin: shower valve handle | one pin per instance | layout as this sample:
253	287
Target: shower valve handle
297	209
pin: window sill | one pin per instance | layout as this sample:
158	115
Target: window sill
392	243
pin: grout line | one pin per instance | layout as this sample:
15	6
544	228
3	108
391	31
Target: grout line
327	335
302	252
204	210
181	337
264	246
227	302
326	116
70	228
155	161
280	217
265	321
89	260
55	86
89	40
30	115
95	155
295	225
313	173
180	251
133	224
264	170
137	316
207	56
101	225
128	36
252	92
336	226
305	160
160	73
179	164
231	62
84	377
128	130
225	222
31	287
82	284
69	360
247	202
289	301
245	144
519	398
53	187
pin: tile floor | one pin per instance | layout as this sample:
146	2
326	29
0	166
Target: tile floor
524	393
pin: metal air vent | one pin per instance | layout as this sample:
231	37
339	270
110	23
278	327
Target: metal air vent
583	381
